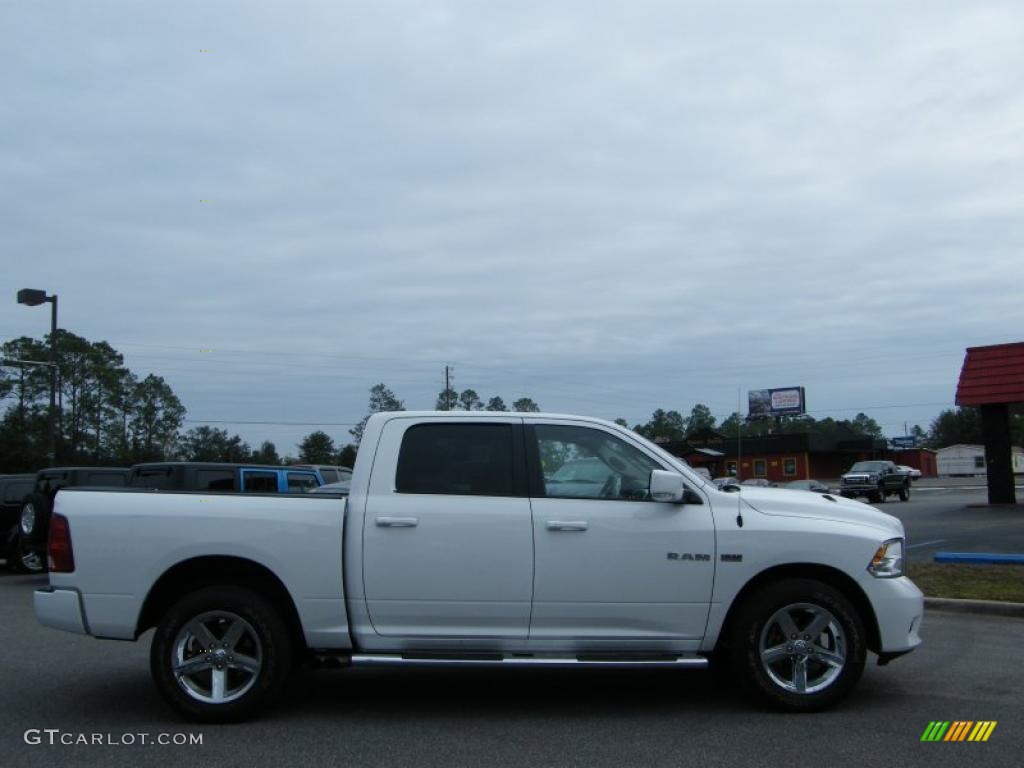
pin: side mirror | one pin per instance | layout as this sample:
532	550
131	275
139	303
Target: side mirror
667	486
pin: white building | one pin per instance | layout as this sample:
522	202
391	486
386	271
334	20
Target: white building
968	460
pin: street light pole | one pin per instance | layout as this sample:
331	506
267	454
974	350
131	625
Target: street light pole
51	450
33	297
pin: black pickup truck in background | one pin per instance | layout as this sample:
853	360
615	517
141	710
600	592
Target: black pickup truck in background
876	480
13	490
28	499
27	548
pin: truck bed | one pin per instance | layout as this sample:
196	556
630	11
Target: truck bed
297	536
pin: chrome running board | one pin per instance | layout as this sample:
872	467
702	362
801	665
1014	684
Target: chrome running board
526	661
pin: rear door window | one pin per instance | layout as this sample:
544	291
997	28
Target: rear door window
456	459
259	481
215	480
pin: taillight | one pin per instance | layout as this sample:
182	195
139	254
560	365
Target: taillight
61	556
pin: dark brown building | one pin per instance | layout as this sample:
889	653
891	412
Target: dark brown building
781	458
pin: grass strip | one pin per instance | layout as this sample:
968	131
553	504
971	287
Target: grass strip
971	582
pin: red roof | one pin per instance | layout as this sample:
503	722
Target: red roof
992	375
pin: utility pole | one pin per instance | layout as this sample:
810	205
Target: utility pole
447	389
739	435
52	448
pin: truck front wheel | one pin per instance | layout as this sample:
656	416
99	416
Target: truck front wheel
905	492
798	645
220	654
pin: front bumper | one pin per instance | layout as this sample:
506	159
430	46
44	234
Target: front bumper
858	488
60	609
899	610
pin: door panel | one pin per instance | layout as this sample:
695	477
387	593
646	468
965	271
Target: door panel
439	564
611	565
615	579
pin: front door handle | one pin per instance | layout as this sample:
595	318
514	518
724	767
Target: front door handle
567	525
397	522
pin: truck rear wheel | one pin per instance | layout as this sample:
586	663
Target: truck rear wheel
798	645
221	654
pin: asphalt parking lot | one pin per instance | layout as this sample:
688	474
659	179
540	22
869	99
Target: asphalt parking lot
954	519
968	669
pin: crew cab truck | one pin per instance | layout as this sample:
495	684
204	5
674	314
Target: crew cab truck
459	545
876	480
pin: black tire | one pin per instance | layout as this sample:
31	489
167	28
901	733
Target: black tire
26	557
825	680
879	496
202	623
905	492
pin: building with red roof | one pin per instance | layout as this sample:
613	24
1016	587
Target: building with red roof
992	379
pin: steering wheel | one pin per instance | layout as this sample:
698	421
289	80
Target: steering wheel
611	488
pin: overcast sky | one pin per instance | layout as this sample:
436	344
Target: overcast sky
610	207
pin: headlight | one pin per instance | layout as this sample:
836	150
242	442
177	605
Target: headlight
888	560
28	520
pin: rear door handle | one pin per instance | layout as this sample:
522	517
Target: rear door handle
397	522
567	525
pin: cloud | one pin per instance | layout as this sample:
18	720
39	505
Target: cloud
609	207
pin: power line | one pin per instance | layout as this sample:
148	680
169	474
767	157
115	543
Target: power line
274	423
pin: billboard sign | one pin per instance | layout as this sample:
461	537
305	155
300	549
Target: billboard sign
785	401
903	442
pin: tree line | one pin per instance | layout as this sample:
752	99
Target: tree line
105	413
951	426
672	425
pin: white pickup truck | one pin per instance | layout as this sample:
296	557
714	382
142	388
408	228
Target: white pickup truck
461	543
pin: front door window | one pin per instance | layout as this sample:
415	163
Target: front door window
583	463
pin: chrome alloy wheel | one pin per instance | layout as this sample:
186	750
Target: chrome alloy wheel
216	657
802	648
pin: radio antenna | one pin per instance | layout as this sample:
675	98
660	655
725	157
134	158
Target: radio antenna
739	455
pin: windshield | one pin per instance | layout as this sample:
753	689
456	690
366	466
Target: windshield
869	466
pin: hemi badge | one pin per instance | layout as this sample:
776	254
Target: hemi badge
732	558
